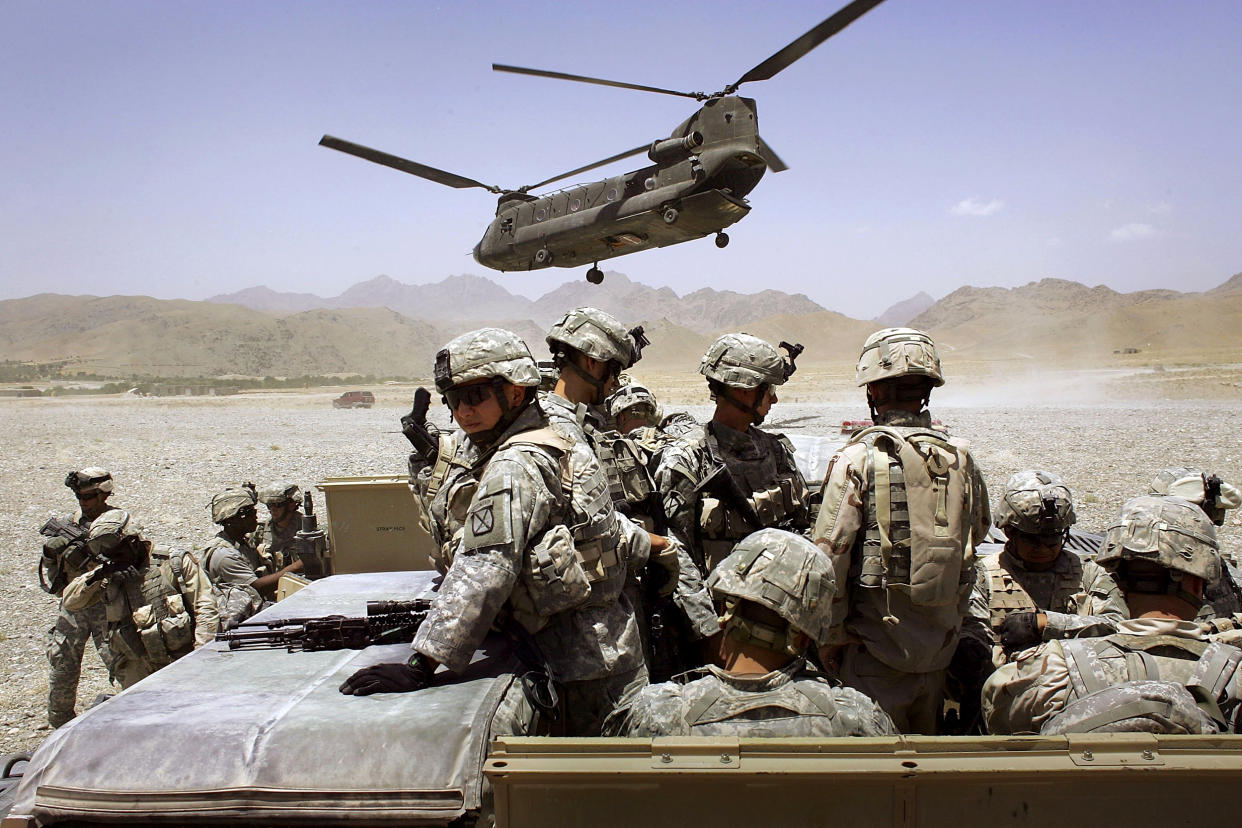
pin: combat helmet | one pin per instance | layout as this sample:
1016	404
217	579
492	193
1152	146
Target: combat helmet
227	504
89	480
899	352
599	335
485	354
275	494
634	395
1036	502
740	360
1170	532
1207	491
109	530
784	573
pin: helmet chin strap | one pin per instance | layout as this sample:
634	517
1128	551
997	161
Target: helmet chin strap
756	417
487	439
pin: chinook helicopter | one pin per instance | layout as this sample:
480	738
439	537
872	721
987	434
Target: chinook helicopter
696	185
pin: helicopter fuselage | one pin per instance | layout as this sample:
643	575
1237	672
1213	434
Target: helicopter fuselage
697	186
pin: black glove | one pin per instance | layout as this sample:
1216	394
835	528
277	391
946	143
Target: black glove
119	573
400	677
1020	631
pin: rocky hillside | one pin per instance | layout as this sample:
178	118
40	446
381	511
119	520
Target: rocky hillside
473	298
900	314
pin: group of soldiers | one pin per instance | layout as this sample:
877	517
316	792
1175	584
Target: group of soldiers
666	577
144	605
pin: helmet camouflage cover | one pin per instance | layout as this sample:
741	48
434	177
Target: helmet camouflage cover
629	396
740	360
596	333
109	529
483	354
1036	502
229	502
90	479
785	573
274	494
1168	531
1207	491
899	352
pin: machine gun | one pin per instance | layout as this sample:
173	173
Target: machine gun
75	553
386	622
312	542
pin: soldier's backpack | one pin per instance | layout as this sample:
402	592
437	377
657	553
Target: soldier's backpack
1146	702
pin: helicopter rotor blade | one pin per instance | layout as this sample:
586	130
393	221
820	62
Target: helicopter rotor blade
616	157
542	73
800	47
375	156
774	162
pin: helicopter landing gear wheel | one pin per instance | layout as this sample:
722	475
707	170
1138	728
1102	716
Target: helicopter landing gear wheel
722	239
543	257
595	275
670	215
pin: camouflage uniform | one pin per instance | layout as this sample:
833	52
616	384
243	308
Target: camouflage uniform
789	578
1076	596
602	337
156	613
1214	496
234	562
505	512
905	571
276	542
66	640
1029	694
767	489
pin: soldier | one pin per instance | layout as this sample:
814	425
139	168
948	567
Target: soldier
276	537
591	348
230	559
1214	496
903	507
158	602
773	594
1034	590
637	414
531	539
61	563
724	480
1159	672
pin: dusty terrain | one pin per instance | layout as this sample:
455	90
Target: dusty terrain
169	455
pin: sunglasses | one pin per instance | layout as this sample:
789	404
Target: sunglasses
471	395
1045	539
83	497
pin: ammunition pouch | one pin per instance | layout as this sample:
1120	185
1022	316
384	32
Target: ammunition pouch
555	580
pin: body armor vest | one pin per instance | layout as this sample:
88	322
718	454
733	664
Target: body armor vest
770	493
918	514
712	713
629	482
149	615
1007	595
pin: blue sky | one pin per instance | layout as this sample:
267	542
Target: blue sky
169	148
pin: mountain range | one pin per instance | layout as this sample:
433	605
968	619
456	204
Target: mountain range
387	328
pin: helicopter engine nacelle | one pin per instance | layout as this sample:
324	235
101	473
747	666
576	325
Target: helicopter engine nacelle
671	150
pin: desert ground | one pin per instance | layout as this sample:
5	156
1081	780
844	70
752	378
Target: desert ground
1106	432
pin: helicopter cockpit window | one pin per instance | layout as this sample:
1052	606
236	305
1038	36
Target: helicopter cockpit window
541	214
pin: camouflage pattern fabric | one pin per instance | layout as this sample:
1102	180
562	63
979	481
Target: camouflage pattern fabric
494	512
786	702
227	561
1169	531
740	360
1077	596
277	543
483	354
66	640
1024	506
229	502
66	645
183	585
1023	695
1222	598
596	333
899	352
763	466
